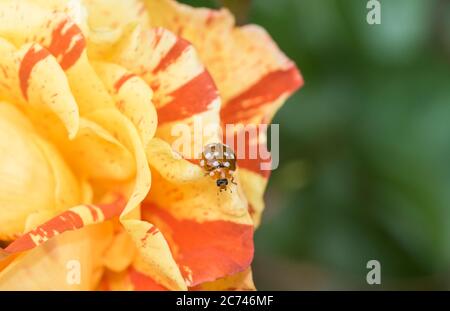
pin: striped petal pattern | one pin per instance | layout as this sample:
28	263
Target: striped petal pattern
253	76
210	233
95	93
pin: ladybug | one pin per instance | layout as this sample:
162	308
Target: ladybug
219	162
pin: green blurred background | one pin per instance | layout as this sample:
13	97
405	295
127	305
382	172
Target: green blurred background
365	144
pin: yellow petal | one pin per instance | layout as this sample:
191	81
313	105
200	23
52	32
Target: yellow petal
253	185
156	257
170	164
72	219
237	57
120	253
32	75
132	97
97	154
94	153
114	14
185	96
40	20
124	131
59	35
33	175
253	76
53	266
210	233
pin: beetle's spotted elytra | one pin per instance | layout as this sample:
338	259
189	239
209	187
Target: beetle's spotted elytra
219	162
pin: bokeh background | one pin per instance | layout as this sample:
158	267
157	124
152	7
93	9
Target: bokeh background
365	146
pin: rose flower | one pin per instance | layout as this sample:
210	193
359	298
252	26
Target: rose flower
95	190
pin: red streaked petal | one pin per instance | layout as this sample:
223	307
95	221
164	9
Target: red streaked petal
121	81
33	56
253	76
183	88
67	44
190	99
172	56
72	219
204	251
268	89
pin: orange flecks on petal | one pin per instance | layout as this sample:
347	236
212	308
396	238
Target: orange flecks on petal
205	251
192	98
31	58
143	282
67	43
74	218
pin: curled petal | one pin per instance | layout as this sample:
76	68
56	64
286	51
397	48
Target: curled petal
67	189
62	38
33	175
169	164
184	233
120	253
204	249
185	191
156	258
56	30
239	58
115	14
32	75
87	87
209	232
253	76
184	92
94	153
74	218
253	185
132	97
56	264
124	131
